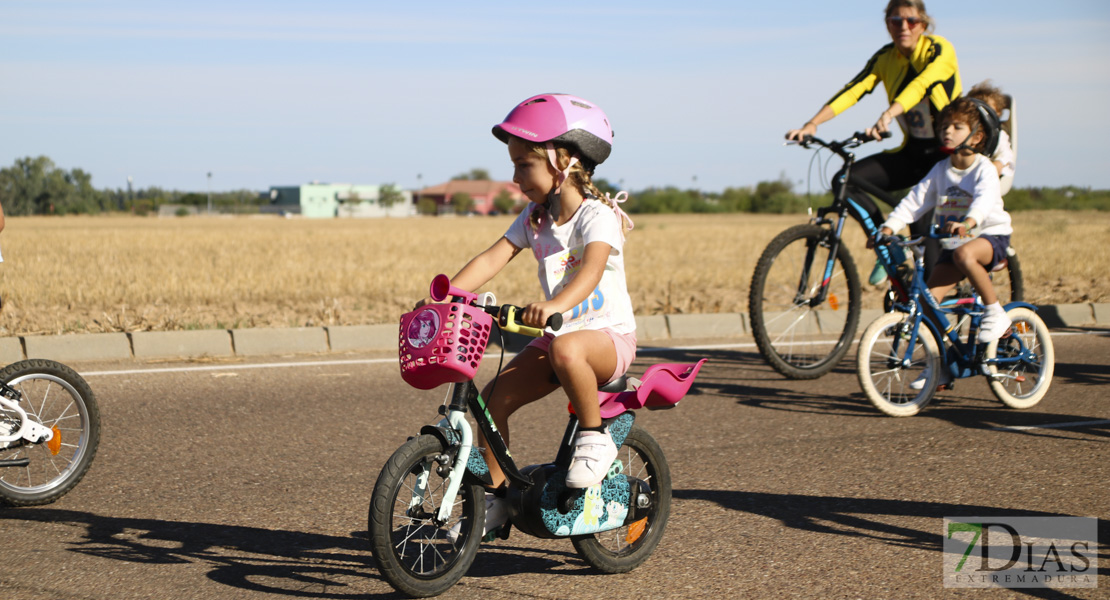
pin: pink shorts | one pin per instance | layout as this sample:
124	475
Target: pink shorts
623	343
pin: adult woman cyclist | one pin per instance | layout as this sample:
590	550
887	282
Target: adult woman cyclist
921	77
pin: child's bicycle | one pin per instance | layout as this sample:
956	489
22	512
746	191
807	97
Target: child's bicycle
904	354
427	511
49	431
805	297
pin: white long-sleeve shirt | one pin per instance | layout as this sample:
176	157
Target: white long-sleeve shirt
956	195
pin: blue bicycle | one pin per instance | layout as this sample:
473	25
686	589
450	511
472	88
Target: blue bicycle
904	355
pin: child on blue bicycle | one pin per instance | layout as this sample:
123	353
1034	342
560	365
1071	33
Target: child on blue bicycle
577	236
965	192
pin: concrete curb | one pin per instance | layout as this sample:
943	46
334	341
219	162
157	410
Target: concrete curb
142	345
170	344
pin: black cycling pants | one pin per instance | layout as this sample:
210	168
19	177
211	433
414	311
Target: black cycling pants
895	171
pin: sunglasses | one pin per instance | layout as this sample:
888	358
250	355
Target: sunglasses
896	22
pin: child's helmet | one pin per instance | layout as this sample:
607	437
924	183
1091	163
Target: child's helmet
563	119
991	126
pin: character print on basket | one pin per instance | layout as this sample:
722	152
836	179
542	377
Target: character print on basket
423	328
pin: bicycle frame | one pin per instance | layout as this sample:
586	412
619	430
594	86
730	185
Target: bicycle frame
846	207
962	359
29	429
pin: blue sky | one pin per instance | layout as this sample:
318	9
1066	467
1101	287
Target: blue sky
280	93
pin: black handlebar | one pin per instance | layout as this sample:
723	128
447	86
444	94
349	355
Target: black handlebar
840	147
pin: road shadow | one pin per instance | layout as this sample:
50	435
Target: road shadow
287	563
865	518
746	377
283	562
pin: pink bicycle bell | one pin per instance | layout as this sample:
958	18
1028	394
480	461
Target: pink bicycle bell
443	343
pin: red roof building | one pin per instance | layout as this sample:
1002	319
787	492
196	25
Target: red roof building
482	192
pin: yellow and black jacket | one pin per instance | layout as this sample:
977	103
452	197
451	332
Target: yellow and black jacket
923	84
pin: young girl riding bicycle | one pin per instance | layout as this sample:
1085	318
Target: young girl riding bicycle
577	237
964	190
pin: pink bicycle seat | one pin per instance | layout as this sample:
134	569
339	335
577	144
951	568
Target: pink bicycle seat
662	386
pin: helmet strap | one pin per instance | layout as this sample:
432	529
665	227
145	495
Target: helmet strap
963	144
553	204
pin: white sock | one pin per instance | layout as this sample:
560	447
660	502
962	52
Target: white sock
996	308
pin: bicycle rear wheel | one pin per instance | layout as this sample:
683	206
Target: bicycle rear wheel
1008	282
625	548
887	375
417	555
1022	384
798	338
57	397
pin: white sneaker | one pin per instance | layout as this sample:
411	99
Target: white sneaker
497	513
594	453
919	383
994	324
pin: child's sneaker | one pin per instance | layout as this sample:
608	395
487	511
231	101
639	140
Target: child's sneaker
497	513
594	452
919	383
878	274
995	323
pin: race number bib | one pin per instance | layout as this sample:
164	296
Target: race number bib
599	309
918	121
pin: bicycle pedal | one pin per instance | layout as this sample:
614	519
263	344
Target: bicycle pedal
501	533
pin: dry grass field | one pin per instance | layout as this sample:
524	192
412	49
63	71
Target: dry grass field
95	274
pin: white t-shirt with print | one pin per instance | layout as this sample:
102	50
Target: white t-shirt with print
559	250
956	194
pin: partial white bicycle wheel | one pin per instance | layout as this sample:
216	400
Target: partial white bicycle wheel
887	375
1022	384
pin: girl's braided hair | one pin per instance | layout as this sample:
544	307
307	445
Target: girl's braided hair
580	178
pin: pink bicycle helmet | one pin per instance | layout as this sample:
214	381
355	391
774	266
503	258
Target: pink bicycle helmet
562	119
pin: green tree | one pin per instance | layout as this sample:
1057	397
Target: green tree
504	202
389	195
462	202
474	175
427	206
35	186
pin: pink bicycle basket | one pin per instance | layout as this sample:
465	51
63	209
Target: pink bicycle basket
442	343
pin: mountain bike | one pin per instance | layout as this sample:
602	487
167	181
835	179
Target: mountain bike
805	297
427	510
49	431
905	354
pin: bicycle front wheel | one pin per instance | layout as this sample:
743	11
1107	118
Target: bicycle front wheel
57	397
1024	383
800	338
625	548
416	554
897	383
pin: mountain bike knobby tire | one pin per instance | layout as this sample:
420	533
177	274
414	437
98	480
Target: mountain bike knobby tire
798	339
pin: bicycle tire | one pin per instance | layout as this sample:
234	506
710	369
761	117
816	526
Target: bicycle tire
57	397
414	553
625	548
884	380
1034	334
788	331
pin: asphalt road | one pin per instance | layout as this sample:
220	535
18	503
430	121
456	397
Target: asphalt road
252	480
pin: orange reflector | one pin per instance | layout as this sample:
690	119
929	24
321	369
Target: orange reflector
55	443
833	302
1021	327
635	530
1020	378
